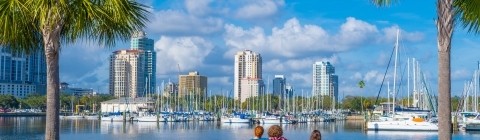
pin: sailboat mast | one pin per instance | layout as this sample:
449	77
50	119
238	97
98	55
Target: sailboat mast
395	74
414	69
408	82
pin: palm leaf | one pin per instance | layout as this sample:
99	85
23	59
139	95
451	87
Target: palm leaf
383	2
467	12
18	30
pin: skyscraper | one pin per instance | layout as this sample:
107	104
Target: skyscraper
193	83
127	73
325	82
21	73
141	42
248	75
279	85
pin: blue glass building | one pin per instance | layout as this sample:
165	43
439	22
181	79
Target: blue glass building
279	85
141	42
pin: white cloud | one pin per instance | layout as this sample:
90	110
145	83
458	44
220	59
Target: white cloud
376	78
188	52
219	81
198	7
259	9
278	65
91	65
301	79
370	75
356	76
296	40
390	34
462	74
175	22
355	32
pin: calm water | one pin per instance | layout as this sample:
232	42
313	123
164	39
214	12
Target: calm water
18	128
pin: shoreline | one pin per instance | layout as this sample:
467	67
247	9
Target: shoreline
15	114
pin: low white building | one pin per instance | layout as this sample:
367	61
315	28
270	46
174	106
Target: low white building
127	104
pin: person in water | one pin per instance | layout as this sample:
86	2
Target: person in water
316	135
276	133
258	132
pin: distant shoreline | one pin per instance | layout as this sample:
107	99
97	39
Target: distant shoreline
19	114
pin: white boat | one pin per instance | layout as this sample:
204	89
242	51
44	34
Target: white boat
149	118
275	120
270	120
106	118
413	124
117	118
235	119
73	117
91	116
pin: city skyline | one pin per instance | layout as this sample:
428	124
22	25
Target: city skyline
204	35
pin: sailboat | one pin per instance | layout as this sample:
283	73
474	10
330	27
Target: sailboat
414	123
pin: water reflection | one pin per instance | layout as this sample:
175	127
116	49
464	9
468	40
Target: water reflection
34	128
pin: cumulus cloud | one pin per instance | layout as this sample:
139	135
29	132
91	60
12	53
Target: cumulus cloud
301	79
356	76
198	7
390	34
259	9
278	65
188	52
220	81
462	74
91	65
177	22
374	77
294	39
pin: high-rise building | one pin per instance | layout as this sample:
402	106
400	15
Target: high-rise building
21	73
279	85
127	74
334	86
289	91
248	75
193	83
325	82
171	89
141	42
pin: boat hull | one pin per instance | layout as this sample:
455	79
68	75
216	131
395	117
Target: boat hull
402	126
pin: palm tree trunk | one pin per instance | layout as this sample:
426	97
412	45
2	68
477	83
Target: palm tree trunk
52	45
445	32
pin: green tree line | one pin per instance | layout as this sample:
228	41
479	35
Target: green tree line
67	101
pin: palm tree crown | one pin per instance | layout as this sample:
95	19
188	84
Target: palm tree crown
32	25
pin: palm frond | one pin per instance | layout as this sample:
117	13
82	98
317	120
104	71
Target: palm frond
383	2
104	21
18	31
467	12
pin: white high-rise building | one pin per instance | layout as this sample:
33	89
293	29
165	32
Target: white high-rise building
22	74
248	75
127	73
325	82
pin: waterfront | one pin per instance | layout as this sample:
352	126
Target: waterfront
20	128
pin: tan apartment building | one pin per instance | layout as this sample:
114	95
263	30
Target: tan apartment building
248	75
127	74
193	83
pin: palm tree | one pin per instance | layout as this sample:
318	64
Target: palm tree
361	84
34	25
468	13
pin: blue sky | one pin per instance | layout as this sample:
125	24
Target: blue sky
355	36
